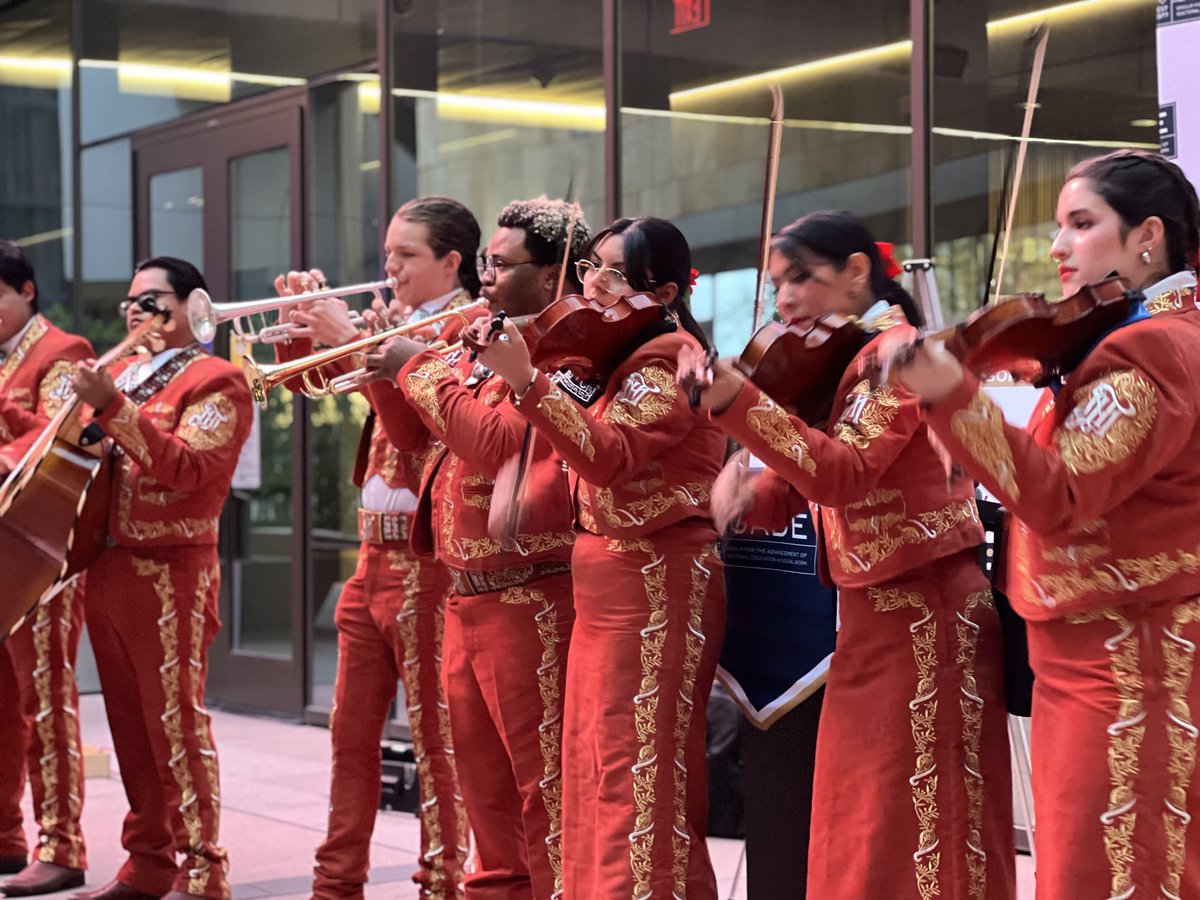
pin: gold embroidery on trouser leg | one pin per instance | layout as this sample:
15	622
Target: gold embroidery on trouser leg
50	811
208	753
923	709
1124	743
168	629
1179	655
70	724
971	703
410	674
693	649
550	731
645	711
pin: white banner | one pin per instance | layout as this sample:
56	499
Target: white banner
1178	87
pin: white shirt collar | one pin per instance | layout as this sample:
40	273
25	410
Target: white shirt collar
1177	282
872	315
437	304
11	344
139	372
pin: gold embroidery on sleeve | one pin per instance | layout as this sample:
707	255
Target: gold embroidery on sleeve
208	423
564	414
1111	417
980	429
772	424
867	414
123	426
421	387
646	396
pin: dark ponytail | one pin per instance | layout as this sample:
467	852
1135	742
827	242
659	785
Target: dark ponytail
656	253
833	237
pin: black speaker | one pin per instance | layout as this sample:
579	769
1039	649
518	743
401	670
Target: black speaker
401	789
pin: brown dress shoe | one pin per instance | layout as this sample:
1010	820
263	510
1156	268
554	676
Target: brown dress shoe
42	878
11	865
114	890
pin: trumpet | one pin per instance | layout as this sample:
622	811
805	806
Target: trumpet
263	378
204	315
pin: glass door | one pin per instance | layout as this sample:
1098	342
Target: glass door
224	192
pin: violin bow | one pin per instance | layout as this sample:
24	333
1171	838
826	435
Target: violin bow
774	139
516	500
1038	42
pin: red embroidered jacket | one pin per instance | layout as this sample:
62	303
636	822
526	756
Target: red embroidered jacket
178	450
1104	489
644	458
882	492
474	430
397	469
36	379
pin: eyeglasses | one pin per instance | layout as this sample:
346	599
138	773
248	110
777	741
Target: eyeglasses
608	279
146	297
488	266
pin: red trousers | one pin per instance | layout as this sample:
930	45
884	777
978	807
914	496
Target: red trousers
151	616
39	732
649	621
389	621
1115	710
505	670
912	792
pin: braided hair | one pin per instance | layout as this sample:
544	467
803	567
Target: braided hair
451	226
1139	184
832	237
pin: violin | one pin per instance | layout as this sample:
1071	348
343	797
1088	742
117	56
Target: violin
1035	339
584	336
1039	340
799	366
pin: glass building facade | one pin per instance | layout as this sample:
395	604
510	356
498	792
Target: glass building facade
258	137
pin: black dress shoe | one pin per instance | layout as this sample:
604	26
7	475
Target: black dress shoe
11	865
42	878
114	890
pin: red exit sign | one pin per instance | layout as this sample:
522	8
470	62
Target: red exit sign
691	14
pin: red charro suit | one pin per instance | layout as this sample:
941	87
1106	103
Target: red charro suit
1104	564
389	620
152	613
39	699
650	618
912	795
508	619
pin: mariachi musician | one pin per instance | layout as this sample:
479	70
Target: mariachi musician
177	423
389	614
39	699
510	613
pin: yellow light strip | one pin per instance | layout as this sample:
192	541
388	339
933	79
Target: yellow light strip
530	113
1088	8
1068	142
1038	16
843	60
43	237
156	72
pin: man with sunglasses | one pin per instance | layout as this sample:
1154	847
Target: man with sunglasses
177	424
39	700
509	615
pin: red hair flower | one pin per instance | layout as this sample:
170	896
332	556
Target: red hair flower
891	268
692	277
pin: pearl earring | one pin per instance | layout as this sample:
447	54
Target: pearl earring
1146	256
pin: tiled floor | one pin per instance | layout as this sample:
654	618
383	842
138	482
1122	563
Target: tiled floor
275	787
